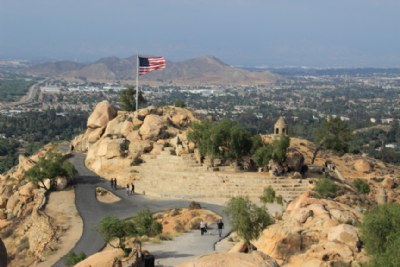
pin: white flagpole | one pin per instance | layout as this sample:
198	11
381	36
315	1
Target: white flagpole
137	82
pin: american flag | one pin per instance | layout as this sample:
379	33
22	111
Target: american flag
147	64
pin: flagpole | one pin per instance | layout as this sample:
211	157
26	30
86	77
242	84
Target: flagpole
137	82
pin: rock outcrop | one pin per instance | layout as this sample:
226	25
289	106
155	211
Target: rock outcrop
102	259
294	159
234	259
363	166
26	231
102	114
115	143
313	232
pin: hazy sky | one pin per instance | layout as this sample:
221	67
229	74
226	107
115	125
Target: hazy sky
239	32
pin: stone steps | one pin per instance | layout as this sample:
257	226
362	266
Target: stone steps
175	176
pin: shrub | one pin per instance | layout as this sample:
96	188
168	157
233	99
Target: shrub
268	195
194	205
145	224
326	188
380	232
123	147
279	200
101	191
136	162
180	103
72	258
50	166
361	186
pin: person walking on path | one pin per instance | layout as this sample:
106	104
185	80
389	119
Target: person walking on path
128	190
220	225
115	183
112	183
132	188
202	227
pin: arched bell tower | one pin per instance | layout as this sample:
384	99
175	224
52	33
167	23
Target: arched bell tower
281	127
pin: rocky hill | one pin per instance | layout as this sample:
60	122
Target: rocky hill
27	231
150	148
206	70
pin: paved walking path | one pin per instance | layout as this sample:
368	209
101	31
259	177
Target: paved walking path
92	211
184	247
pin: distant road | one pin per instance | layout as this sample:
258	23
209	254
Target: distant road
29	97
92	211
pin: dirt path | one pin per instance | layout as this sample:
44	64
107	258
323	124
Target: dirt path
61	207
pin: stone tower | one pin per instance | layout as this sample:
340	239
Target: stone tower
281	127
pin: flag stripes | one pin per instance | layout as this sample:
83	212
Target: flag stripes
148	64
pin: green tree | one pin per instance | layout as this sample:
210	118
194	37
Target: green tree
256	143
145	223
380	232
72	258
180	103
279	148
127	98
50	166
276	151
225	139
263	155
239	142
200	135
332	134
246	218
111	228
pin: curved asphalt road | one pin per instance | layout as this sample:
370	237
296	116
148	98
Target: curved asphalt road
92	211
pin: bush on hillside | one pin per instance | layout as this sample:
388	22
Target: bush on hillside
361	186
145	224
51	166
194	205
326	188
380	232
268	195
72	258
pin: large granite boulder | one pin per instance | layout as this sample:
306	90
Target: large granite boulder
101	115
294	159
152	126
312	232
346	234
363	166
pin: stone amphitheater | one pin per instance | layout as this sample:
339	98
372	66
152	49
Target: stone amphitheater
168	175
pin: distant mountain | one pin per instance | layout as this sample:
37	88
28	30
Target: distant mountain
202	70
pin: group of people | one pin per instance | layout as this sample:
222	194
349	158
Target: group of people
220	226
113	182
130	189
